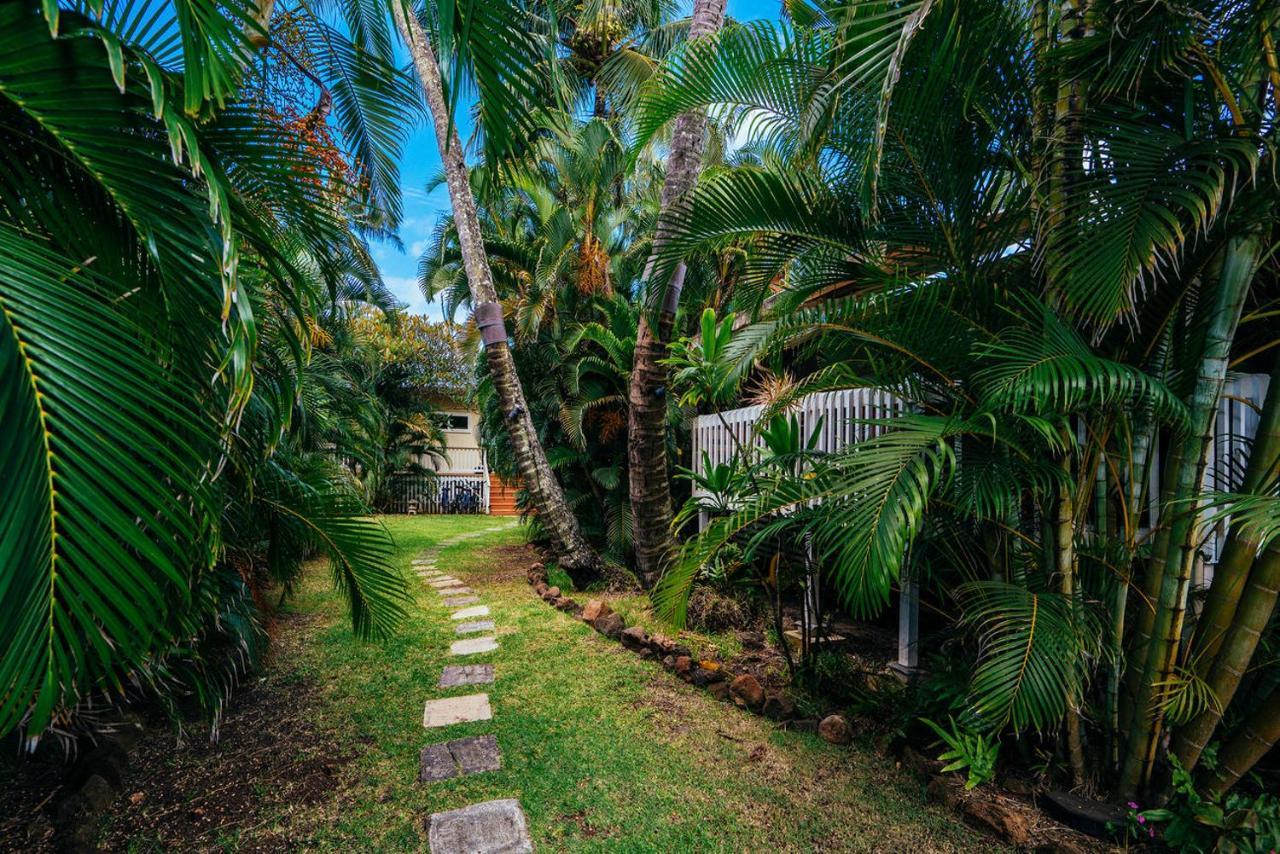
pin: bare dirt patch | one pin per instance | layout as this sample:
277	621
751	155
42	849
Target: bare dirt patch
508	563
270	763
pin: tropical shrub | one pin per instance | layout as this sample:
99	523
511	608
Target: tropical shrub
1047	237
167	236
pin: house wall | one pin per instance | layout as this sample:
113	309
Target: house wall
464	454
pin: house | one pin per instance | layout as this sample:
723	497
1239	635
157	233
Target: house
463	482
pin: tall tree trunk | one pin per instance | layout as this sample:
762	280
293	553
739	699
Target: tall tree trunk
1142	432
650	486
1259	734
1065	566
553	511
1160	655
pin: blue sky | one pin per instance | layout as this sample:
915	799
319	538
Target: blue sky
421	209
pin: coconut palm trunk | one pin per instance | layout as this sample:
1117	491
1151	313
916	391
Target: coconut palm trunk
650	484
548	498
1160	652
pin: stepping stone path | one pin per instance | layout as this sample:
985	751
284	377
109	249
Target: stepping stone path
492	827
466	674
471	646
458	757
456	710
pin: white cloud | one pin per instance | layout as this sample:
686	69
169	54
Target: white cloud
406	289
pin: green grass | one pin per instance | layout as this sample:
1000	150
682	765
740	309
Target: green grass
604	751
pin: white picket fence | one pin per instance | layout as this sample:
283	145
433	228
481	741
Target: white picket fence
844	414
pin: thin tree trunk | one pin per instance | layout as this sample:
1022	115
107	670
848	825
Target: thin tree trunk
1139	462
1239	263
649	482
1256	738
1065	566
553	511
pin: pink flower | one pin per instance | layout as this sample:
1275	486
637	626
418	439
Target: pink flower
1142	819
1133	805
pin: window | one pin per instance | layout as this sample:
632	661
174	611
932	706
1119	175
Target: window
455	423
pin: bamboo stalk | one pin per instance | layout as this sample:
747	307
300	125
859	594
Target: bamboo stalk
1256	738
1065	566
1241	548
1256	607
1240	258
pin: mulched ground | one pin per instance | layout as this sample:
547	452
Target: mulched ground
192	795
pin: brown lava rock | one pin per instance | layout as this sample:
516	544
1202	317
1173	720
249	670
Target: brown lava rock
610	625
635	638
596	608
747	691
684	666
551	593
835	729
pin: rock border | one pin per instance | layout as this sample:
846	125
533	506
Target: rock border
1006	816
742	690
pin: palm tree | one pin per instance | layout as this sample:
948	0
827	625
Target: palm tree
1008	246
538	478
567	229
650	482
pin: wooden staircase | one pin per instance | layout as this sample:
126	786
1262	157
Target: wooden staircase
502	497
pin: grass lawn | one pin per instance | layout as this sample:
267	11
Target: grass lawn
604	751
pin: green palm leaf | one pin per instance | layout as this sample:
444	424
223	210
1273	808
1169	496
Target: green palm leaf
106	452
1034	653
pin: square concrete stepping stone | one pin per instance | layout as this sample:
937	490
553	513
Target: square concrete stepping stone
459	757
461	600
477	626
423	561
454	591
447	581
471	646
492	827
468	613
466	674
456	710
